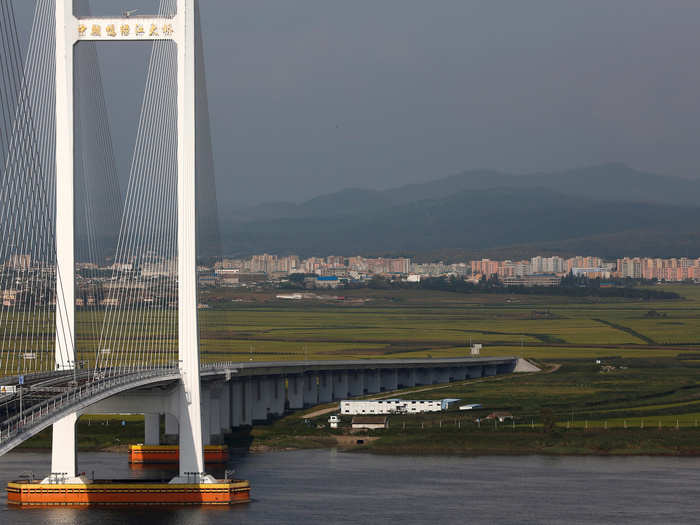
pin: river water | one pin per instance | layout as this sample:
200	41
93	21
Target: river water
326	486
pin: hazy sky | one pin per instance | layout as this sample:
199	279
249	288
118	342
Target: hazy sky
382	92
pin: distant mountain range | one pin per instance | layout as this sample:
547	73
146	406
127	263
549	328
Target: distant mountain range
609	210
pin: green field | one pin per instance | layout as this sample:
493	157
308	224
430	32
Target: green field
242	325
420	323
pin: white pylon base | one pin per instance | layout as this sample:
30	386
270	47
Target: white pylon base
201	479
64	462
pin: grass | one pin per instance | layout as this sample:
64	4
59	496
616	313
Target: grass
409	323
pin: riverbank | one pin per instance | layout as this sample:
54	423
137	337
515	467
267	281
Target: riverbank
474	442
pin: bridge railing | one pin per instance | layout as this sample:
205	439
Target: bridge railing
35	414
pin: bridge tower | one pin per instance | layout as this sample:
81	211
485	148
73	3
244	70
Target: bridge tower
180	28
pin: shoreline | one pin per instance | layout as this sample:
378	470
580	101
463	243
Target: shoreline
362	450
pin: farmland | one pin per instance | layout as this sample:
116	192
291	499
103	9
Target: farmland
419	323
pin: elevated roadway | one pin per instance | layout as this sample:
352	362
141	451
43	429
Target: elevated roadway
233	393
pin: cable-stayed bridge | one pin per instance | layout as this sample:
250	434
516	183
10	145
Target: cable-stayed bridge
99	282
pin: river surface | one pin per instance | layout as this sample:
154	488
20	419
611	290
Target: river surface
326	486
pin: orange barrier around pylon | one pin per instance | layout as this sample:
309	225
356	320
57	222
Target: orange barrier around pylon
171	454
35	493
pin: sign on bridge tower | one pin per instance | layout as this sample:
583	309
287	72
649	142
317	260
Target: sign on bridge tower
180	28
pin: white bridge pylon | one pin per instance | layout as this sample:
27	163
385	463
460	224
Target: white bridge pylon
180	29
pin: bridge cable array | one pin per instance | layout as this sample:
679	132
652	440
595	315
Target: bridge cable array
140	328
126	317
30	278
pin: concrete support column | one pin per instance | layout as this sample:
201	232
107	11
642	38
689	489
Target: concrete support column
260	402
356	383
340	384
507	368
475	371
225	408
490	370
151	429
205	394
389	380
214	411
246	401
373	384
459	373
325	387
424	376
236	403
63	449
171	429
442	375
277	395
191	447
310	390
406	377
295	391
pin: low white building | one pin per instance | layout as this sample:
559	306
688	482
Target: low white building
390	406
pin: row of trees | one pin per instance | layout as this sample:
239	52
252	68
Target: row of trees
570	286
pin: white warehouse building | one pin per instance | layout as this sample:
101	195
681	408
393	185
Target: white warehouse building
393	406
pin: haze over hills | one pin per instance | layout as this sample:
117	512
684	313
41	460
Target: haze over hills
478	212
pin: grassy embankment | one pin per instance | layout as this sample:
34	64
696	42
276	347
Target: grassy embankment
641	406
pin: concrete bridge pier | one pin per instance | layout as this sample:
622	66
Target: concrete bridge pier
389	380
424	376
259	403
310	390
225	408
373	383
213	411
64	457
474	372
490	370
171	429
246	402
340	385
206	415
236	403
276	395
506	368
325	387
441	375
151	424
356	383
459	373
406	377
295	391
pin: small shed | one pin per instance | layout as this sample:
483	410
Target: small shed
370	422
